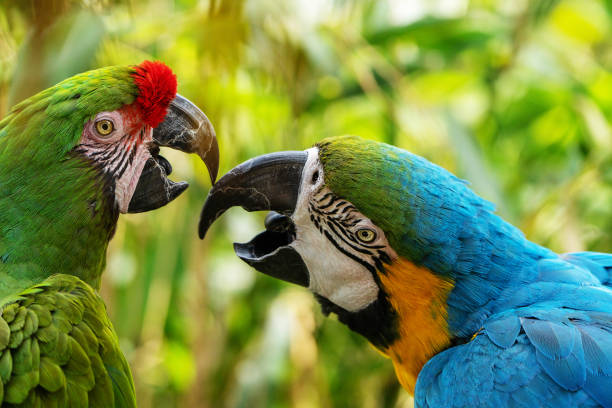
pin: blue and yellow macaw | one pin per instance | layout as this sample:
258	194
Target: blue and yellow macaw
470	312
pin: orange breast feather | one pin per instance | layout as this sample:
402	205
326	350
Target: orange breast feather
419	297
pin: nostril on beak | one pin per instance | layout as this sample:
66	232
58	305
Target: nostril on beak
279	223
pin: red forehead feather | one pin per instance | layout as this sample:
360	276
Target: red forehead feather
157	87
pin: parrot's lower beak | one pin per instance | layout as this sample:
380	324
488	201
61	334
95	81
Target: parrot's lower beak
184	128
268	182
270	251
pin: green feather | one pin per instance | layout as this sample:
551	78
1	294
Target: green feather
16	339
35	353
77	395
61	352
6	366
5	334
55	399
8	313
350	162
32	401
31	323
75	359
19	386
19	320
52	377
48	336
78	365
104	385
62	320
43	314
122	386
22	358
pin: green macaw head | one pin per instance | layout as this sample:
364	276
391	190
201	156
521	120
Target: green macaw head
76	155
115	119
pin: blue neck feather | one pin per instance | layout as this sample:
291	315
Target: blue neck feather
455	233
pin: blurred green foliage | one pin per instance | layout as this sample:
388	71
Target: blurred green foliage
514	96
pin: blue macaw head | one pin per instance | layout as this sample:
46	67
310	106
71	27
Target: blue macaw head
399	248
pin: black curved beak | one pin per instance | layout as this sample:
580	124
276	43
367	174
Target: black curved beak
184	128
268	182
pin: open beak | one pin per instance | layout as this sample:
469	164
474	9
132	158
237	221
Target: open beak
184	128
268	182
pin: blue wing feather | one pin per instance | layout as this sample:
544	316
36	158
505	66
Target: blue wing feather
552	339
557	270
503	330
557	357
599	387
568	372
597	345
599	264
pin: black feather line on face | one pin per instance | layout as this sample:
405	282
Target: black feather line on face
111	159
345	252
353	247
320	200
338	222
124	160
113	150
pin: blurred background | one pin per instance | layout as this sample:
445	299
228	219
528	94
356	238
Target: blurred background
515	96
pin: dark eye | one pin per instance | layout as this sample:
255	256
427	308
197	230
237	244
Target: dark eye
366	235
104	127
315	177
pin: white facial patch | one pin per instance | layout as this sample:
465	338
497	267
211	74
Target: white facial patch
327	231
122	152
126	184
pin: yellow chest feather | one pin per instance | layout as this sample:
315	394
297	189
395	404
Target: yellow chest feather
419	297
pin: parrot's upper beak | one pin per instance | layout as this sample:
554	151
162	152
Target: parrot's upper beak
268	182
184	128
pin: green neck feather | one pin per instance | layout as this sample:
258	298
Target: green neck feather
59	224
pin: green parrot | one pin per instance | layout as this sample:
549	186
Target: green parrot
72	158
471	313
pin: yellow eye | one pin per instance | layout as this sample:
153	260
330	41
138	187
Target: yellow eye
366	235
104	127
